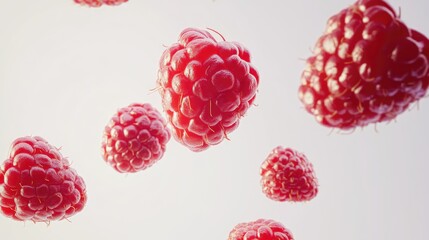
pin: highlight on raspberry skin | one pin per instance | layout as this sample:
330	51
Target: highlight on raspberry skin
99	3
287	175
135	138
38	184
367	67
206	86
261	229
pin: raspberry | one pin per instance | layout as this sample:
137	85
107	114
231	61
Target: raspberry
287	175
206	87
261	229
135	138
38	184
99	3
367	67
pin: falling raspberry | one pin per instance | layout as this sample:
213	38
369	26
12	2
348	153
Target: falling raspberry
206	87
367	67
287	175
261	229
38	184
135	138
99	3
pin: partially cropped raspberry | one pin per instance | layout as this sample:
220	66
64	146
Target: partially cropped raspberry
367	67
287	175
99	3
38	184
135	138
261	229
206	87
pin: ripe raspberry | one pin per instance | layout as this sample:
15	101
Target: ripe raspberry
135	138
98	3
367	67
206	87
38	184
261	229
287	175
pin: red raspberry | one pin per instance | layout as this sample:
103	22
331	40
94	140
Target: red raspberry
287	175
367	67
261	229
98	3
135	138
38	184
206	87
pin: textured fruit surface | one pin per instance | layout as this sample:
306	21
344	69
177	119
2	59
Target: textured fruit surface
206	87
287	175
99	3
135	138
367	67
38	184
261	229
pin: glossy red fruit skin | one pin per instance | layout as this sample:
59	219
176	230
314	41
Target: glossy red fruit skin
206	87
99	3
261	229
38	184
287	175
135	138
367	67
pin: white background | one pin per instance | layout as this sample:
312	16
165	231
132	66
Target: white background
65	69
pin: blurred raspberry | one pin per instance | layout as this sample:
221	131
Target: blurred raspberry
261	229
206	87
99	3
287	175
367	67
135	138
38	184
